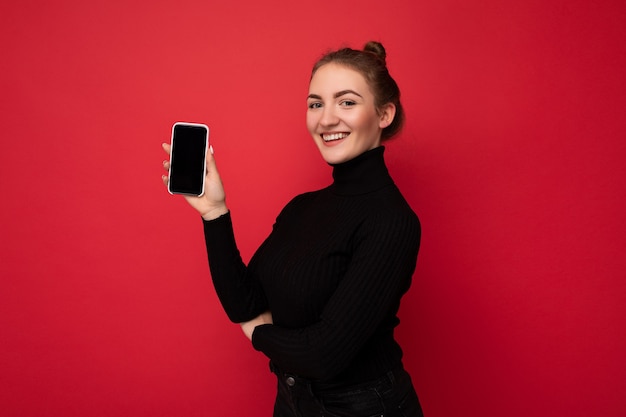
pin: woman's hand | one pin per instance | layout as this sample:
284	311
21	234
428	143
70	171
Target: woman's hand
212	204
249	326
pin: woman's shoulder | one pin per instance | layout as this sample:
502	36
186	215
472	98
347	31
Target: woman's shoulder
389	209
390	199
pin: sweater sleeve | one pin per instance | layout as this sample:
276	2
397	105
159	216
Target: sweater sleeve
241	295
379	274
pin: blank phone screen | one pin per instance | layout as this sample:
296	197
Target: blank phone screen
187	170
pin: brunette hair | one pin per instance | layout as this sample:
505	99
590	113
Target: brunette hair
371	63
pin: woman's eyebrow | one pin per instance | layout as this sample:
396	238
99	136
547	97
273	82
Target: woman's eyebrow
344	92
336	95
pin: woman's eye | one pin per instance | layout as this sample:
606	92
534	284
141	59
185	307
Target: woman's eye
348	103
315	105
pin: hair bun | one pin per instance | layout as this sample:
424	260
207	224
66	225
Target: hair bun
377	49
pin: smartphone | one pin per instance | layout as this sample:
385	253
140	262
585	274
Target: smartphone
190	142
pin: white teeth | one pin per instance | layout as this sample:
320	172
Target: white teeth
334	136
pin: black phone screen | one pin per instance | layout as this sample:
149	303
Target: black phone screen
187	161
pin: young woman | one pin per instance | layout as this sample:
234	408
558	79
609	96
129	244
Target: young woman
321	294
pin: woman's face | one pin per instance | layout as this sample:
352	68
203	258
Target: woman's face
342	117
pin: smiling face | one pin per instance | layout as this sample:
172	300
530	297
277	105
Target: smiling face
342	116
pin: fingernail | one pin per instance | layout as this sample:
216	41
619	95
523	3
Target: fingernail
211	149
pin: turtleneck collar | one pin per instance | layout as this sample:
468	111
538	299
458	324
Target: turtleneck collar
361	175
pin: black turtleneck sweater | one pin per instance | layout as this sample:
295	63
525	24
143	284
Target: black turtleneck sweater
332	273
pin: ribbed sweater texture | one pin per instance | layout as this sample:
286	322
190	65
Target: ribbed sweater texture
332	272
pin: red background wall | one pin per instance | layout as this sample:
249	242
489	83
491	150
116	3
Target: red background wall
512	157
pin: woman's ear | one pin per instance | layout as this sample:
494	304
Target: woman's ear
387	112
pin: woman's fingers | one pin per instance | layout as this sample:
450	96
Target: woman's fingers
166	164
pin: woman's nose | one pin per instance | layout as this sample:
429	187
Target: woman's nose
329	117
